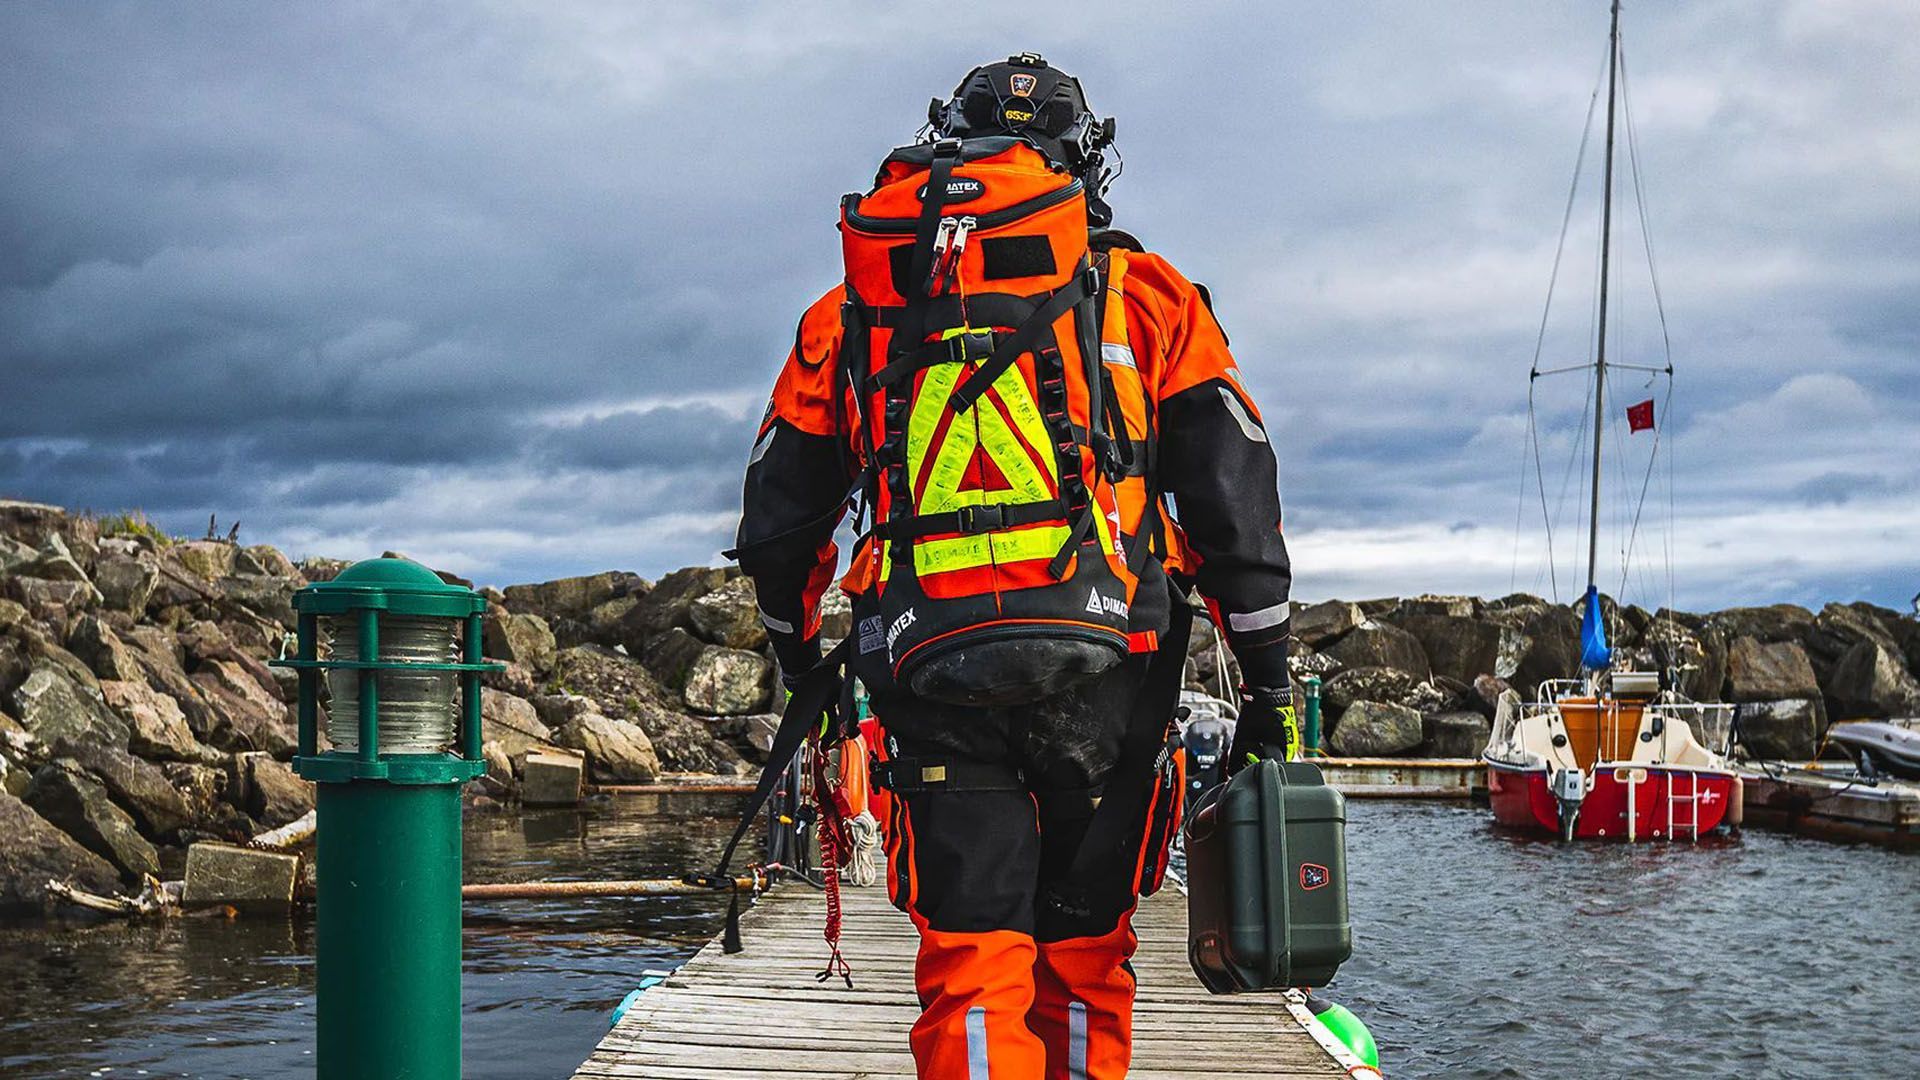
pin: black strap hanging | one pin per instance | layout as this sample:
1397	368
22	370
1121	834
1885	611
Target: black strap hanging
817	694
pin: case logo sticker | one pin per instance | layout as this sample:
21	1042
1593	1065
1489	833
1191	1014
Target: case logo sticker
1313	876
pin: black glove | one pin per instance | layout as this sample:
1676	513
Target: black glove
1267	728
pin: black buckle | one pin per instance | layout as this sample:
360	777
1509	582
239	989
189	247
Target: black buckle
980	519
970	346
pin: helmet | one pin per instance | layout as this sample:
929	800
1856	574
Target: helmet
1029	99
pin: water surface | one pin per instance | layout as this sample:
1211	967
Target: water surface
1479	954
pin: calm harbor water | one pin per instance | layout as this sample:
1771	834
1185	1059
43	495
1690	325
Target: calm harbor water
1480	954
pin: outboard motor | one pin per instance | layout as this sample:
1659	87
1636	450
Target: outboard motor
1205	741
1569	788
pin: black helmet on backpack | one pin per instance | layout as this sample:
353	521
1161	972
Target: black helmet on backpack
1031	100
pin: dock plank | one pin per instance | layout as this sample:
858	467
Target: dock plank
762	1015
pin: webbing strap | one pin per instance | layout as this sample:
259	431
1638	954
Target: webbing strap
945	154
958	349
1023	339
818	690
909	776
971	520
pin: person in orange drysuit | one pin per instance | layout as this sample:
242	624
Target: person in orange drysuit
1022	971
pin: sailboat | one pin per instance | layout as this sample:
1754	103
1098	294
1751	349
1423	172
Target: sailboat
1612	754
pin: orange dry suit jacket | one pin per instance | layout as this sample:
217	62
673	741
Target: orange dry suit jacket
1202	442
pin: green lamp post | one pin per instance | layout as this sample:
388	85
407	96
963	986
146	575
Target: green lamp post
400	652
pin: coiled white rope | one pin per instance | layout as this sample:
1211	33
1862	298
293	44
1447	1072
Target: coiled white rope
863	862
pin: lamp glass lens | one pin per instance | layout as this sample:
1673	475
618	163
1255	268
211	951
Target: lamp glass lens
418	713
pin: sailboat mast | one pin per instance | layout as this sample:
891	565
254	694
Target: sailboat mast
1600	357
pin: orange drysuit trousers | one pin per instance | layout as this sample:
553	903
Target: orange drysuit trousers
1013	983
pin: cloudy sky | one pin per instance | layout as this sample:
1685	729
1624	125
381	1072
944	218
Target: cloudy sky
503	285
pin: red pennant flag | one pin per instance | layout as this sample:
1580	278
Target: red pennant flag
1640	417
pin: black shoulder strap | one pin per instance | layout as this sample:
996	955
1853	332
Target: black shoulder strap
817	693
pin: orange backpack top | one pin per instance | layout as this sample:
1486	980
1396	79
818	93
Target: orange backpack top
987	424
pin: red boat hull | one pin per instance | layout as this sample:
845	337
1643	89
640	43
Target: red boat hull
1700	799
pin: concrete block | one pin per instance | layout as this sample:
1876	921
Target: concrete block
247	878
552	778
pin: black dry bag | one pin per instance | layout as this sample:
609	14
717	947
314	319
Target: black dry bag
1267	880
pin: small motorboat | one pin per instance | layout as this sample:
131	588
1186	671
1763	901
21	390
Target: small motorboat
1880	748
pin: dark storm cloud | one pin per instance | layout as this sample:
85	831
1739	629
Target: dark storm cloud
506	283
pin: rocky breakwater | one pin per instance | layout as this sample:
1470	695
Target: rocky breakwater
138	713
1419	676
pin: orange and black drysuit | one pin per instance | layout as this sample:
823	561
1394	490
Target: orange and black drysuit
1022	968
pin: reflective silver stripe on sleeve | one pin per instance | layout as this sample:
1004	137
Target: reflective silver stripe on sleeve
1260	620
1239	413
1077	1041
760	448
977	1043
1118	355
778	626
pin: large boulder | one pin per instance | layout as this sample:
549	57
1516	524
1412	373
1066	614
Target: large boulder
1759	670
36	851
204	559
80	807
520	639
1367	684
669	604
269	561
160	663
268	790
1683	643
49	600
1782	730
54	562
512	722
1375	729
690	743
51	706
670	656
245	714
1837	629
1320	625
572	597
729	616
1457	646
1542	642
1871	680
1458	607
624	690
125	572
728	682
617	751
141	789
94	642
1454	735
836	615
1767	625
1380	644
267	596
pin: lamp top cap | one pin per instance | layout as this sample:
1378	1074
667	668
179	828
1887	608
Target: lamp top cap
401	586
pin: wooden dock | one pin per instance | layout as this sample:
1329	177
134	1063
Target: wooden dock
1834	807
1405	778
761	1015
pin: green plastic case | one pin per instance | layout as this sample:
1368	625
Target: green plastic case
1267	881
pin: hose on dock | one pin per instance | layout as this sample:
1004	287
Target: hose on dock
567	890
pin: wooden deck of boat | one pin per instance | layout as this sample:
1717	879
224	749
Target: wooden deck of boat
761	1014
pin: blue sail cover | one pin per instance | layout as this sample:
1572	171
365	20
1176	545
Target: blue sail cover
1595	655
